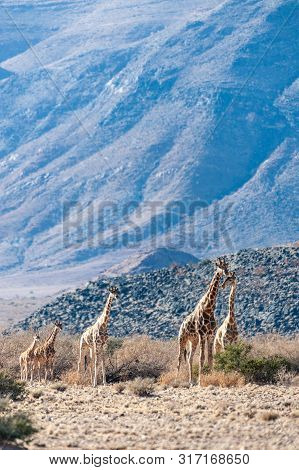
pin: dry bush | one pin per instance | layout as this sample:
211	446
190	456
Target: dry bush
140	356
285	377
141	387
269	416
119	387
274	344
11	346
171	379
67	354
37	393
222	379
59	387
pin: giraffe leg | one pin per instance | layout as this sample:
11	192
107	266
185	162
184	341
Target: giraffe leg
95	372
103	369
51	368
193	346
38	372
46	365
32	371
182	352
26	371
210	351
21	368
201	358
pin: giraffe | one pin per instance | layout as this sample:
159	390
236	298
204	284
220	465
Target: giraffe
94	341
227	333
44	354
26	359
200	325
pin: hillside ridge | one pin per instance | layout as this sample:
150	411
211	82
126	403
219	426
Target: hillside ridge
155	303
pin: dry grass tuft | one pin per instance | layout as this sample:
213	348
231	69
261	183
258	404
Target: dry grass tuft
170	379
119	387
37	393
269	416
59	387
223	379
141	387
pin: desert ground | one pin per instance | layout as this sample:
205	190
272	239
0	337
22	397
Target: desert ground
146	406
249	417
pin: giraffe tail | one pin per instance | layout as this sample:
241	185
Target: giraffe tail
85	362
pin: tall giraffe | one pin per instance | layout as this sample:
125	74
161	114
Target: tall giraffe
227	333
44	355
26	359
94	341
200	325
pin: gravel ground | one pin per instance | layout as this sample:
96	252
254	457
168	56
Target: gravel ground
250	417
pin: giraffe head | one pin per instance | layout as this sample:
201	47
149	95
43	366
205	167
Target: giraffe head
36	338
58	324
229	280
114	291
222	265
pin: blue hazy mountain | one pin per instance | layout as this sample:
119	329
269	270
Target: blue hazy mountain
121	104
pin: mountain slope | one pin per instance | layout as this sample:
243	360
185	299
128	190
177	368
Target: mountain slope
125	105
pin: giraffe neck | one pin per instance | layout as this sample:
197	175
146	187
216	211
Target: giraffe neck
52	337
213	288
32	346
231	303
104	318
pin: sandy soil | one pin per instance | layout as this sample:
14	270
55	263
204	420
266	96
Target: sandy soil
251	417
17	308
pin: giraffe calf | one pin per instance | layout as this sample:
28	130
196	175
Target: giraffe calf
26	359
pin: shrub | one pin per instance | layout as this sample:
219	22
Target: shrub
140	356
238	357
59	387
4	403
16	426
170	379
37	393
141	387
269	416
269	345
119	387
113	345
10	387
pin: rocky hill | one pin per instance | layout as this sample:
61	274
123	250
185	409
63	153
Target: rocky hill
155	303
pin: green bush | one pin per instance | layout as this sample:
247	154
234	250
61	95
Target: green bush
10	387
17	426
238	357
